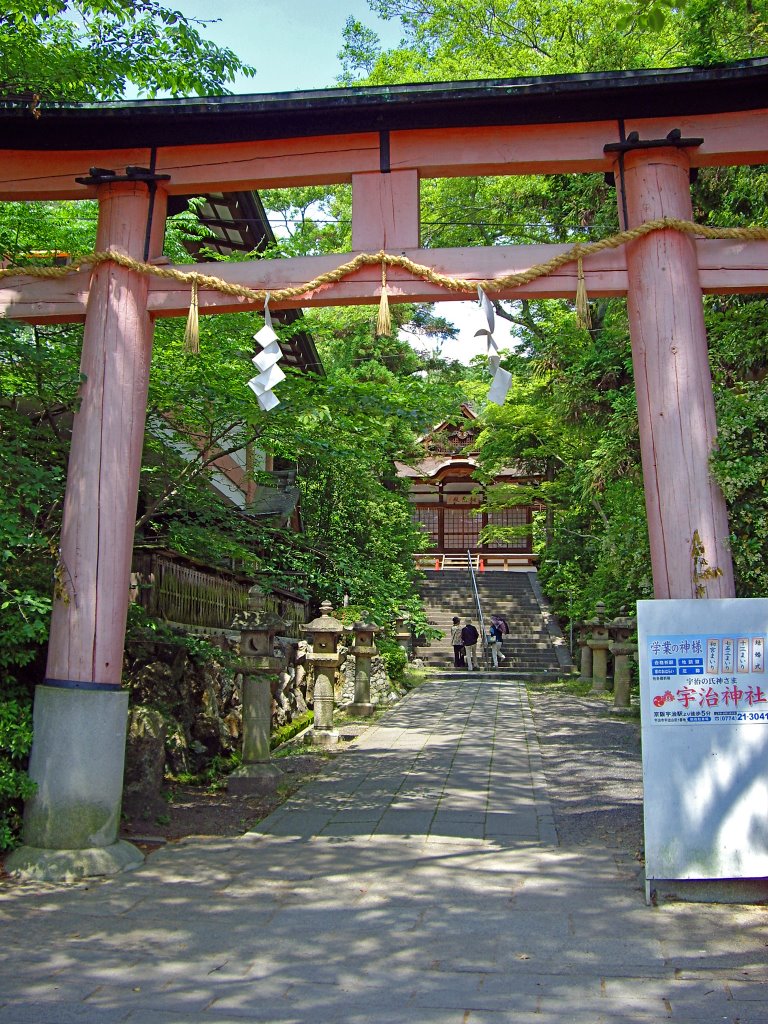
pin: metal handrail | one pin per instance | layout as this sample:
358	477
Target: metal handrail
480	619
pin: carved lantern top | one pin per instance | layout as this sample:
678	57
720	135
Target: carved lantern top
622	627
258	630
597	624
364	633
324	631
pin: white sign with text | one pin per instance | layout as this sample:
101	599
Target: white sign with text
704	705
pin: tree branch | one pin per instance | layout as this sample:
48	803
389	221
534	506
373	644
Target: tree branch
526	320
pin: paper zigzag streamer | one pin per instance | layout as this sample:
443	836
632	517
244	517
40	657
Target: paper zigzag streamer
502	379
266	361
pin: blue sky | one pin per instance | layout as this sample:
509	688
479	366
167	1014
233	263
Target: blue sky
294	44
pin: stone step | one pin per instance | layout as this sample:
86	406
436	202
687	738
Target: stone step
451	675
542	661
448	593
516	634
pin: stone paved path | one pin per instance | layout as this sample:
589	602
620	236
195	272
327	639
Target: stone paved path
418	880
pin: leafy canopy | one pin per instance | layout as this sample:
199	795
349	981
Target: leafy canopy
94	49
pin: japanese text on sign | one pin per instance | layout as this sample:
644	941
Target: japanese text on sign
707	679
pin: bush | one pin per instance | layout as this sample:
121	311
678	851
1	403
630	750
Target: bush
15	784
288	731
394	657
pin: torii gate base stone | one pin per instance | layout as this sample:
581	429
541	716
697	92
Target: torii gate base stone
648	129
70	827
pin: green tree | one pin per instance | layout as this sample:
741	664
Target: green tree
376	399
449	41
94	49
61	51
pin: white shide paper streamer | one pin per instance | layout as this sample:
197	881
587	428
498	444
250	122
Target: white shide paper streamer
266	361
502	379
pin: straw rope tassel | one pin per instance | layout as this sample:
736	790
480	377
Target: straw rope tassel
583	318
192	332
383	320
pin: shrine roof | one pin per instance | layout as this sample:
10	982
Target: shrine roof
431	466
552	99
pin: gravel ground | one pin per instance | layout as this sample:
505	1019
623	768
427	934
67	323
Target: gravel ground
593	765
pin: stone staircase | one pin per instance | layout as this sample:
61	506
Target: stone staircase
534	644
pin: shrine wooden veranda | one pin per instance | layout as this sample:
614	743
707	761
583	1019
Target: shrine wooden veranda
649	130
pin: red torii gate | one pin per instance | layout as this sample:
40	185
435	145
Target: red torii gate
649	129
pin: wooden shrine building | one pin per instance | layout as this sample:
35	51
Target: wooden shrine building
446	502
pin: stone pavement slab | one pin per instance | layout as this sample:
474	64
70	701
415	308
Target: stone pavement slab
461	910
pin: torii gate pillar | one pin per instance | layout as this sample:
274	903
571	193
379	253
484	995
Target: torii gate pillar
70	824
676	408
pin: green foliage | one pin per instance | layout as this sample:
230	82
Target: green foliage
361	50
570	684
394	657
646	17
213	777
92	50
740	465
15	784
413	677
287	732
33	233
570	419
346	430
712	32
220	767
145	631
32	472
313	219
446	40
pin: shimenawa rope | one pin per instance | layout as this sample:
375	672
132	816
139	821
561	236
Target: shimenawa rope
576	253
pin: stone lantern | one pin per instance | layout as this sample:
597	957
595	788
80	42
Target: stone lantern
364	650
324	633
622	649
599	642
261	674
403	633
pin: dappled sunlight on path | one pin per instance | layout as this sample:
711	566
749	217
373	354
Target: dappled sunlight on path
418	879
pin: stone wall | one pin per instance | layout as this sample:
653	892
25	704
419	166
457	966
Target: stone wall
289	697
186	710
383	692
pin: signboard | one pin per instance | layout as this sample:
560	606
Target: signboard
704	705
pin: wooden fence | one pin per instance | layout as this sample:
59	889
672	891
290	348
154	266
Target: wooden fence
171	588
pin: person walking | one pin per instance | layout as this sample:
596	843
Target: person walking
495	637
458	644
469	637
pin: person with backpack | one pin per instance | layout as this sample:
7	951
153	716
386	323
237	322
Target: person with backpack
469	637
495	638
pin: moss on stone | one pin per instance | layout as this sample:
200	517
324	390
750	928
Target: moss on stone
69	825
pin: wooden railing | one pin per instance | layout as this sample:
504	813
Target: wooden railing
483	560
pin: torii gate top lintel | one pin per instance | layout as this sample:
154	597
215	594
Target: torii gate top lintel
552	99
385	140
